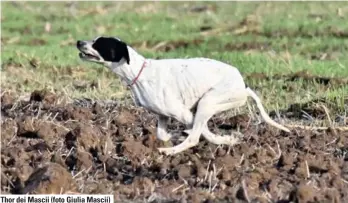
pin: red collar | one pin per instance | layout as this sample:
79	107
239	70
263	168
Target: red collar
136	78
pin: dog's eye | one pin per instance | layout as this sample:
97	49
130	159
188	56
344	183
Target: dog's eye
95	39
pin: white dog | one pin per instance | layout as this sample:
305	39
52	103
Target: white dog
173	87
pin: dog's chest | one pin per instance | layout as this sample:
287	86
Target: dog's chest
149	97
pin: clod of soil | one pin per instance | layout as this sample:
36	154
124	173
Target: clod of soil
83	136
8	131
43	96
77	113
31	128
84	160
306	193
50	179
7	99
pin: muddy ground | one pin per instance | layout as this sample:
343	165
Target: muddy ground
99	147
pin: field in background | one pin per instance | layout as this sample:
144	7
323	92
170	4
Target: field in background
262	39
294	54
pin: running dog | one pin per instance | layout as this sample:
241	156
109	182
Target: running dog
171	88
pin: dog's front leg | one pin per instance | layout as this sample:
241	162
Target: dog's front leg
162	133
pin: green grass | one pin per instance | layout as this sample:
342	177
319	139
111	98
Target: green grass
242	34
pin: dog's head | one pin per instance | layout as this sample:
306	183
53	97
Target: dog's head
104	50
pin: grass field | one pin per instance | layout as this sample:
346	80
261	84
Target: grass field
265	38
289	52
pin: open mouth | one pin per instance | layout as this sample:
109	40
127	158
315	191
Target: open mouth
88	56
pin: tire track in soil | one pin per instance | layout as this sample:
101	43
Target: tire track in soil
300	75
328	53
92	148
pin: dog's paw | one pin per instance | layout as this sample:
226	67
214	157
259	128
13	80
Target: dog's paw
168	143
235	140
167	151
229	140
164	136
188	131
237	135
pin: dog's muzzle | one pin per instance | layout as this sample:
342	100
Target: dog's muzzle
84	53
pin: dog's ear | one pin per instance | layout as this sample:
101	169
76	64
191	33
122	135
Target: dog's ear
111	49
119	50
125	52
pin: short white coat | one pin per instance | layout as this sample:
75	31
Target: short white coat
173	87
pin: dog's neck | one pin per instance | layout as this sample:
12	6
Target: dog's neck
129	72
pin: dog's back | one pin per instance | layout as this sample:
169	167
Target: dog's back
189	79
202	70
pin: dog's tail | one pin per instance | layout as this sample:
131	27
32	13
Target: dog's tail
263	112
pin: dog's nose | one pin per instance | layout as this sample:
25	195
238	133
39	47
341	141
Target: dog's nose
80	43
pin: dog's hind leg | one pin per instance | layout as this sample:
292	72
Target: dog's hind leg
214	101
186	118
218	139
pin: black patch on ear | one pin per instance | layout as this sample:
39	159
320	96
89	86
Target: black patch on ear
111	49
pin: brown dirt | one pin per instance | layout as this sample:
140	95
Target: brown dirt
50	179
27	30
10	63
313	110
167	46
43	96
37	42
328	53
199	9
300	75
97	148
328	31
247	46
